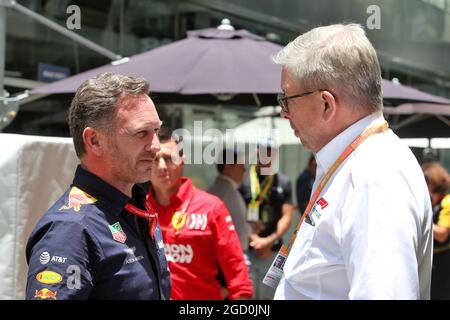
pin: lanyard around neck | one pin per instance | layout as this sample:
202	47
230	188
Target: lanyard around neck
369	131
148	214
255	186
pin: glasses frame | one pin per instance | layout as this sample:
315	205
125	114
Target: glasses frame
283	100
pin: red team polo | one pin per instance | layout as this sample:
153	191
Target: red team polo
196	240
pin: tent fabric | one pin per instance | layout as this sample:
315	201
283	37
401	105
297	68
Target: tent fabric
34	172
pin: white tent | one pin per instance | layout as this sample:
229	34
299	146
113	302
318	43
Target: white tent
34	173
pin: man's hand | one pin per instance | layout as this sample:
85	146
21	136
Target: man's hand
262	245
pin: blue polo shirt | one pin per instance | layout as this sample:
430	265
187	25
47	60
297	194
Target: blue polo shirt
88	247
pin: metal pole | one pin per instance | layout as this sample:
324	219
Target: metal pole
2	47
2	62
72	35
122	26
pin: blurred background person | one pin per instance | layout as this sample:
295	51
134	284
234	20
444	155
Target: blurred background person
304	184
231	168
226	186
270	199
438	181
198	231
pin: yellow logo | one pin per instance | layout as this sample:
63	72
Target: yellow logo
49	277
178	220
77	198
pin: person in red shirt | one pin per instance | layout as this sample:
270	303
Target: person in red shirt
198	232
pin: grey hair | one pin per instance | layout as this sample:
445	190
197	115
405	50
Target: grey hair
95	103
337	57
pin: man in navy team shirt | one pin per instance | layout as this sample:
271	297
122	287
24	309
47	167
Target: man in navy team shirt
98	241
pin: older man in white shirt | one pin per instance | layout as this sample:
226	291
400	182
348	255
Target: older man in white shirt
366	233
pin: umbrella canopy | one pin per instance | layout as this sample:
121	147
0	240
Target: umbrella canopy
419	120
208	61
214	61
396	94
237	63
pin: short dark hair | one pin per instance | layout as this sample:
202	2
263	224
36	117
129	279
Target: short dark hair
222	158
166	134
436	177
95	103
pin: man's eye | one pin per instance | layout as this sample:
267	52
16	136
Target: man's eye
141	134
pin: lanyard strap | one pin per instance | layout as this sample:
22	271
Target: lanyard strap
180	213
151	217
255	187
254	183
285	249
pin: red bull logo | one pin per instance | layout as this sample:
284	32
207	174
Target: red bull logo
78	198
45	294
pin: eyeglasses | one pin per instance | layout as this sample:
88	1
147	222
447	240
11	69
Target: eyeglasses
283	100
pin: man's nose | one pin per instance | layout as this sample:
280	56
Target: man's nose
154	145
161	162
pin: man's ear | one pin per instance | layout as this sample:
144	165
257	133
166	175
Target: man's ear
183	160
329	106
93	140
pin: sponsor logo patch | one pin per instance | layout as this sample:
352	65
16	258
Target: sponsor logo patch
49	277
78	198
322	203
45	294
117	232
131	257
178	253
197	221
45	258
178	220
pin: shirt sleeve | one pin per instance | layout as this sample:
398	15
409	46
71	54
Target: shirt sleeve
230	255
62	258
379	240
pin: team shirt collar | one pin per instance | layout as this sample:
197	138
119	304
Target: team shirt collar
184	192
333	149
106	194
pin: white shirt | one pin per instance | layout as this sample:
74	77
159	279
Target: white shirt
372	237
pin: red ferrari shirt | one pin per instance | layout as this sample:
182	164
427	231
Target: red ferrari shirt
198	234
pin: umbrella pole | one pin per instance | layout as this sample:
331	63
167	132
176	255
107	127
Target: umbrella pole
2	46
257	101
